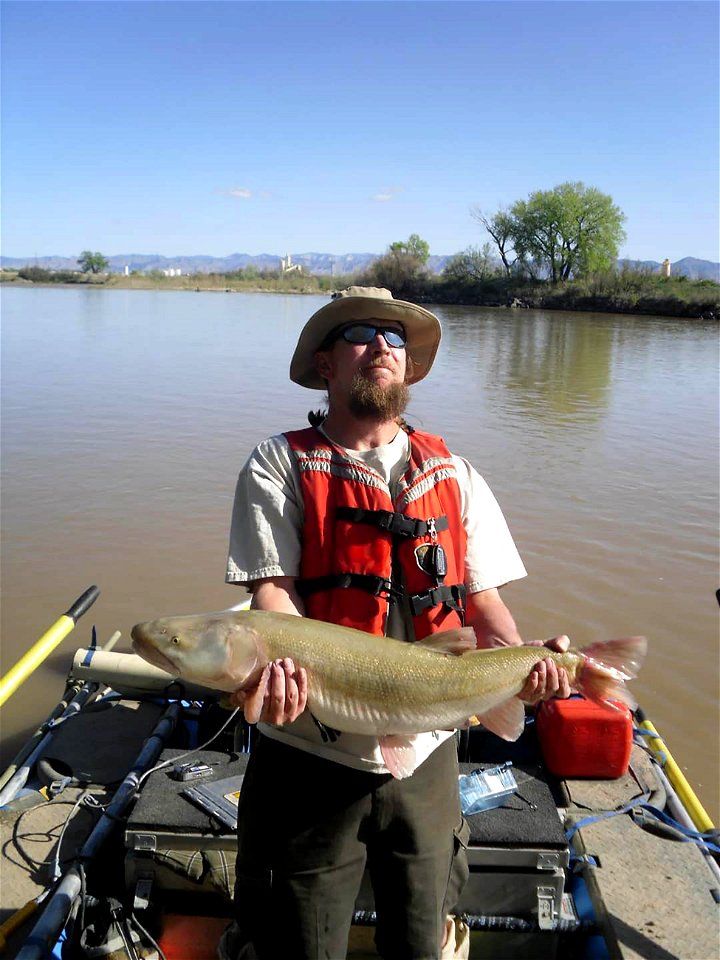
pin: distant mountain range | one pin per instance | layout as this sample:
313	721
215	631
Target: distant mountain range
323	263
689	267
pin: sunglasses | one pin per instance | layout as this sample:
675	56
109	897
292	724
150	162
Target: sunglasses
364	333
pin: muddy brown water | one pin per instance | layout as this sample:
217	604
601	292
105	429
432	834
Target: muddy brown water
127	414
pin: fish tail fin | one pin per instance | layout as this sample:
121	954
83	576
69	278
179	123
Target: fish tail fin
607	665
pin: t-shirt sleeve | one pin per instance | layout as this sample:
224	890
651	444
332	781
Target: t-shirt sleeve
492	559
266	517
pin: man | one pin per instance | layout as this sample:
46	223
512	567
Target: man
360	520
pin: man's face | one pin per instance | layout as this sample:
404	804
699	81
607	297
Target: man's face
368	379
376	361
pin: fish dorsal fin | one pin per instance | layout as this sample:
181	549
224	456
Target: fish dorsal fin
399	755
507	719
455	642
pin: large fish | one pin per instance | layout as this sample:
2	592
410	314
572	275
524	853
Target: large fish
362	683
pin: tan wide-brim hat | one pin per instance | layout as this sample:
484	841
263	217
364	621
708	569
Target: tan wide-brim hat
422	330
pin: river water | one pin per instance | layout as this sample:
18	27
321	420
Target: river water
127	414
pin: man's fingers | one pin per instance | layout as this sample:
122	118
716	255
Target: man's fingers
286	696
274	708
560	644
238	698
529	691
546	680
302	685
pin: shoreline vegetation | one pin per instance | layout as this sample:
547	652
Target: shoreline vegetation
625	292
556	250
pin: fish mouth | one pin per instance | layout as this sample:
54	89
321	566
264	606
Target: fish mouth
150	652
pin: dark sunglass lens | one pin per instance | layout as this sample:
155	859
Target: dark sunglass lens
394	338
365	332
359	333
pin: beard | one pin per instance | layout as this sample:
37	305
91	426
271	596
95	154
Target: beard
370	401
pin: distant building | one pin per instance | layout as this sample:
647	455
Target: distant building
666	268
287	266
173	272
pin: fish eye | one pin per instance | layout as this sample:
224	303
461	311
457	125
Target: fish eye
175	640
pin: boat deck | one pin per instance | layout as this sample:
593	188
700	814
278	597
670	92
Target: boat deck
670	910
654	898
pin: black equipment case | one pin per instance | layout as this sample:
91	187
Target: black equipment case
517	853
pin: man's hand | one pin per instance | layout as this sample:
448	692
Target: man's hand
279	697
546	679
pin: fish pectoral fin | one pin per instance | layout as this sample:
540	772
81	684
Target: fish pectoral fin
255	699
245	656
507	719
399	755
455	642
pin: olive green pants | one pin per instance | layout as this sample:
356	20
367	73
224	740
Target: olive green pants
307	827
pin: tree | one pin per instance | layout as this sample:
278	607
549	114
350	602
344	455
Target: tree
499	226
568	231
93	262
401	268
472	265
414	246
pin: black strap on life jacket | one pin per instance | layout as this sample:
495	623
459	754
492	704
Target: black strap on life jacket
397	524
377	586
400	525
453	597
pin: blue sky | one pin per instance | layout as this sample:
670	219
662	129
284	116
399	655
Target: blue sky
340	126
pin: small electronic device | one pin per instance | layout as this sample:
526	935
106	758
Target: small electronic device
191	771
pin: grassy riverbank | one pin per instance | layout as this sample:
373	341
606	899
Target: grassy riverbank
632	293
625	292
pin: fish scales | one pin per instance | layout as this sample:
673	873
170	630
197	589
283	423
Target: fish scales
363	683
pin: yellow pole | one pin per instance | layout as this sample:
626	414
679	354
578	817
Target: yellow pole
17	919
677	778
18	674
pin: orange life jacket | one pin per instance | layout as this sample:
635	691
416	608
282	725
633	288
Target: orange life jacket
354	532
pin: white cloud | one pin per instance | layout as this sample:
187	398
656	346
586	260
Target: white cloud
386	194
242	193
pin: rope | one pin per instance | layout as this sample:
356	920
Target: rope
704	840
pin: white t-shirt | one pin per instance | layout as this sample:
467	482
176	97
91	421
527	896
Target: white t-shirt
265	541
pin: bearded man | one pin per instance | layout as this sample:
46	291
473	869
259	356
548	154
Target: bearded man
361	520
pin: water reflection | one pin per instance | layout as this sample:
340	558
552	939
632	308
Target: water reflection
549	367
126	416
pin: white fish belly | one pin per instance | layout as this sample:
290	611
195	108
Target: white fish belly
377	719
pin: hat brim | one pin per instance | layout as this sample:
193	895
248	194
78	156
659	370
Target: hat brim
422	329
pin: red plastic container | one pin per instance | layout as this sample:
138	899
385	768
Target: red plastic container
579	738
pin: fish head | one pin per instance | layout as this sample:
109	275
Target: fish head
209	649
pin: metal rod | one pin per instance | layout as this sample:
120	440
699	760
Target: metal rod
48	928
16	775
